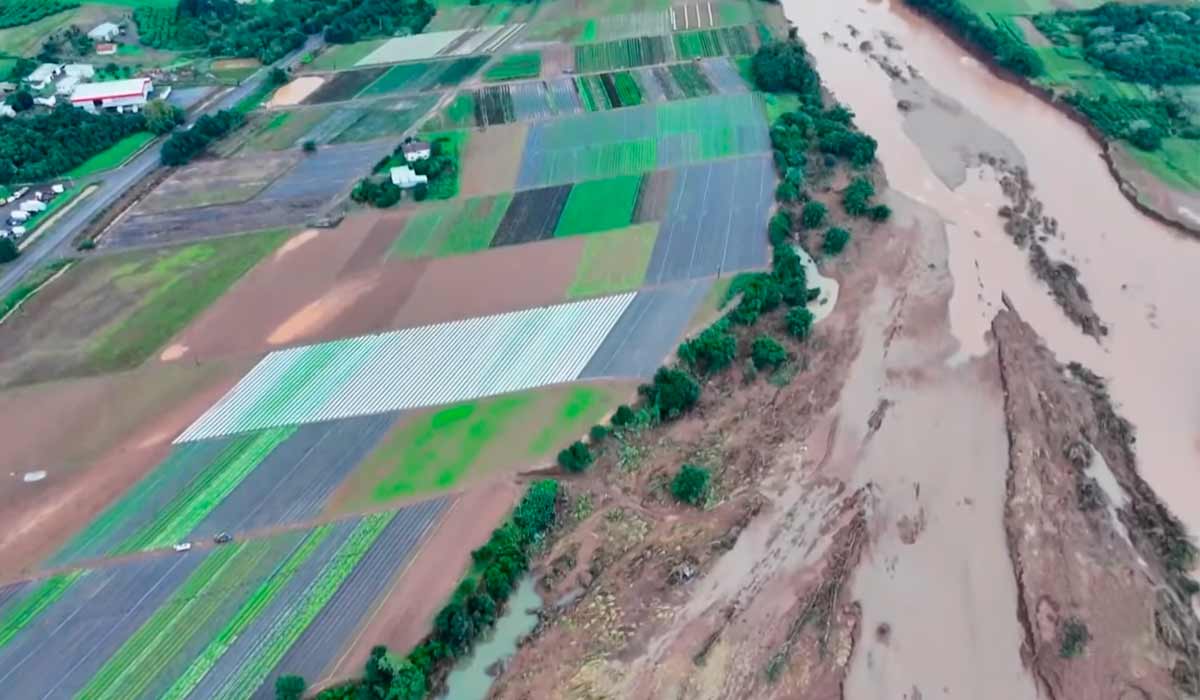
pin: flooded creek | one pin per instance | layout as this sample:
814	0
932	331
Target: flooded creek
473	677
1137	272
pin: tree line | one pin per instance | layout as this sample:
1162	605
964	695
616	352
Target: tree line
1009	51
41	146
183	146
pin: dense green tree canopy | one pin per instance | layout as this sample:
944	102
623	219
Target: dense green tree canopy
41	146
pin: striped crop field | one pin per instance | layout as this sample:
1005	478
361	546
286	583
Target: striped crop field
623	53
726	41
412	368
222	623
609	91
640	139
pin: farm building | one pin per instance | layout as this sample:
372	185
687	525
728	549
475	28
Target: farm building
83	71
67	85
104	32
106	49
121	95
43	75
415	150
404	177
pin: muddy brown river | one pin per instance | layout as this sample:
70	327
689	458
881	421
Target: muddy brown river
1141	275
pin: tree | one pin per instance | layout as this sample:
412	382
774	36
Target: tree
408	681
277	76
712	350
309	146
857	197
8	250
162	117
690	485
20	100
880	212
766	352
779	230
289	688
597	434
813	215
672	393
799	322
782	66
623	416
835	240
576	458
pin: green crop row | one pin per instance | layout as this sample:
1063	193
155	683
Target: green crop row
246	614
623	53
306	609
515	66
206	492
691	79
141	658
34	602
726	41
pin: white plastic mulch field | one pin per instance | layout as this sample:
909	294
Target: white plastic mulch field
454	42
415	367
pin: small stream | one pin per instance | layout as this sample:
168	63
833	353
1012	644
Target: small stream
470	679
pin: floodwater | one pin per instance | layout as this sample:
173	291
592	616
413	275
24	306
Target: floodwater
1140	274
470	680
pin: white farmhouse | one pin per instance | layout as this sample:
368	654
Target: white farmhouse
104	32
43	75
404	177
415	150
120	95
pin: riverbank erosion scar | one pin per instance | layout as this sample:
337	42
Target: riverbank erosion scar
1096	557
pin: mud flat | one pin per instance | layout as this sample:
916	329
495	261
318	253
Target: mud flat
1135	270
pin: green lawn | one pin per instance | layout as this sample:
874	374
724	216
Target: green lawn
178	285
436	449
599	205
614	262
114	156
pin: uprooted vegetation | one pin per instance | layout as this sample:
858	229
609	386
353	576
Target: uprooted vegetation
1096	556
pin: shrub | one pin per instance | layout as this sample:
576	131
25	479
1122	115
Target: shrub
690	485
624	416
598	433
767	352
289	688
575	458
711	351
672	393
835	240
880	212
8	250
799	322
813	215
760	292
857	197
1075	637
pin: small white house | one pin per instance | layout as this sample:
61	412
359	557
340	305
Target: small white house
104	32
415	150
83	71
48	101
43	75
120	95
404	177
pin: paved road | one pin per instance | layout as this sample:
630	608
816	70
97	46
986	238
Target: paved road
113	183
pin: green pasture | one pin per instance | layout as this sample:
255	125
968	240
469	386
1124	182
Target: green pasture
437	449
614	262
1177	162
599	205
114	155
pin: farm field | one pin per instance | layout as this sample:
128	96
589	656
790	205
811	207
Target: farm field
650	50
434	450
614	262
210	623
216	182
112	313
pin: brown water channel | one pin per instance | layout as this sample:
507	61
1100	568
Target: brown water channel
1141	275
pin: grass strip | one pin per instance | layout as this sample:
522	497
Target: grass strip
515	66
33	603
246	614
306	609
207	491
112	156
31	284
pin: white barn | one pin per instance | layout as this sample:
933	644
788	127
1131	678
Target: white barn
121	95
104	32
404	177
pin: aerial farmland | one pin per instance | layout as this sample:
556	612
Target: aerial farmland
293	417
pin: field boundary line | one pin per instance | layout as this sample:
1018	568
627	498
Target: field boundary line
445	517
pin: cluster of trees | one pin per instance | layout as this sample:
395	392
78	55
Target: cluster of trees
472	609
441	167
1008	50
41	146
1144	123
1154	44
162	117
183	146
268	31
14	13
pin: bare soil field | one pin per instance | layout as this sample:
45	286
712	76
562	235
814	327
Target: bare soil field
216	182
343	85
492	161
90	450
296	91
323	285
